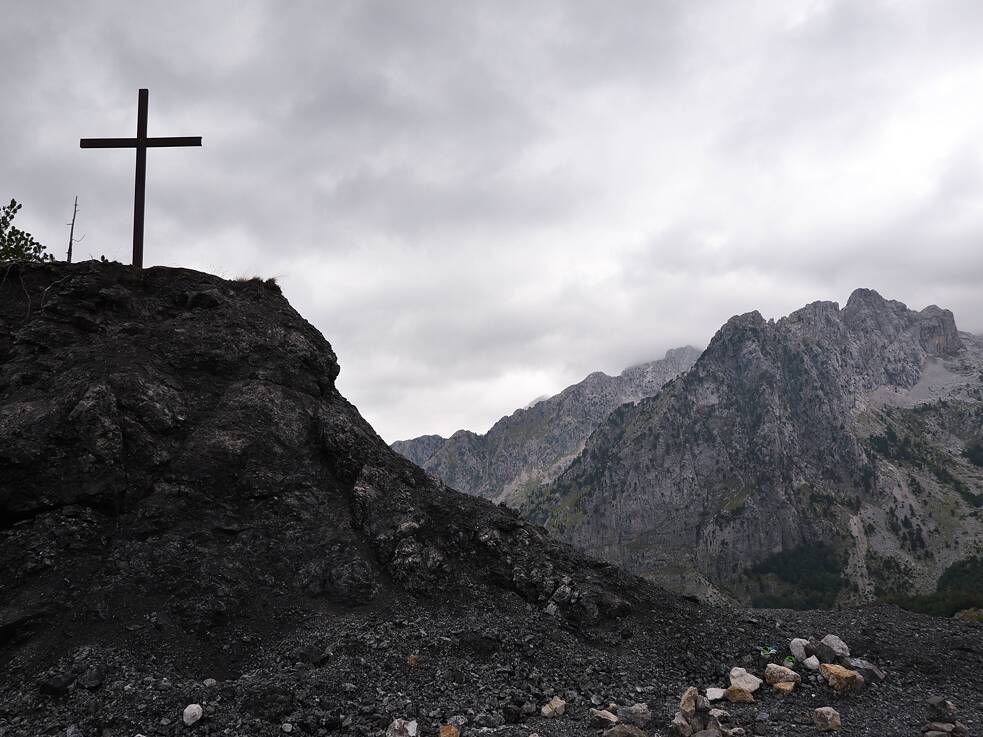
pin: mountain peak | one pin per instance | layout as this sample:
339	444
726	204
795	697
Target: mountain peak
864	296
757	450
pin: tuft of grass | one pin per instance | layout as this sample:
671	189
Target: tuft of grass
270	283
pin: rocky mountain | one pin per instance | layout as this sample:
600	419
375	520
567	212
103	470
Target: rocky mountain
534	445
833	455
200	535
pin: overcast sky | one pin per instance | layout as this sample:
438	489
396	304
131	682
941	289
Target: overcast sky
479	203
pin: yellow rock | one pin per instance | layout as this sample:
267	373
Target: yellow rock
687	704
555	708
449	730
413	660
784	688
840	678
738	695
775	673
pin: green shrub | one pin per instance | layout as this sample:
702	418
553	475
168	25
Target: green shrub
15	244
809	576
974	453
960	587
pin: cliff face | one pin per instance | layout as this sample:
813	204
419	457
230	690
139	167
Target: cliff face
534	445
173	447
779	465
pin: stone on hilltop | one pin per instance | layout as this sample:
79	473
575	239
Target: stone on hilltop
555	708
775	673
840	678
402	728
827	719
602	718
831	648
192	713
941	706
738	695
695	718
688	702
742	679
638	714
798	648
839	647
784	688
680	726
865	668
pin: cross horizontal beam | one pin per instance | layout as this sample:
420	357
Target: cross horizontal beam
166	142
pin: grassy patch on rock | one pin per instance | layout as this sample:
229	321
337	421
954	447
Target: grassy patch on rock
806	577
959	588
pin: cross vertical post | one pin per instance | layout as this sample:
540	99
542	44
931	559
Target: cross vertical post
140	186
141	143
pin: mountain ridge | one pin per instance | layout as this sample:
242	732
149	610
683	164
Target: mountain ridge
775	418
535	443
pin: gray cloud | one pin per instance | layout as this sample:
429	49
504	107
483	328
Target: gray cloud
480	203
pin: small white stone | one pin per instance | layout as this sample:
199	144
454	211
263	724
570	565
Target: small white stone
287	727
798	648
812	662
555	708
742	679
715	694
210	683
402	728
837	646
192	713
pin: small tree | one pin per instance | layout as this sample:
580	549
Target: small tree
15	244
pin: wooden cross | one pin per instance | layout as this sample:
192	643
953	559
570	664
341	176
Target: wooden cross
141	143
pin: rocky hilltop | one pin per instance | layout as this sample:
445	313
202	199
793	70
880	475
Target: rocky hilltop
829	456
176	434
200	536
534	445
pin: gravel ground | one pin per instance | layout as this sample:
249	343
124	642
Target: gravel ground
354	672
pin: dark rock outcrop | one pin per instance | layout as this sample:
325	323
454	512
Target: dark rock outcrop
173	450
